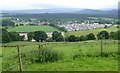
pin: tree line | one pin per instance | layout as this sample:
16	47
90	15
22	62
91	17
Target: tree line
7	22
41	36
62	17
101	35
9	36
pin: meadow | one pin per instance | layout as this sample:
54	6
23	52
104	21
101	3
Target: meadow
32	28
68	56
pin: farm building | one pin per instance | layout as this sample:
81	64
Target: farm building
23	34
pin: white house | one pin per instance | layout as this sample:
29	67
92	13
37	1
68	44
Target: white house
23	34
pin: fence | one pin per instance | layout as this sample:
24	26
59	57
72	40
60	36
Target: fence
38	47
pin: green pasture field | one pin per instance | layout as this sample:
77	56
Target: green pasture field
76	56
95	31
32	28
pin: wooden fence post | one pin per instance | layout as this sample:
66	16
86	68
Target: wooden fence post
20	59
40	51
101	47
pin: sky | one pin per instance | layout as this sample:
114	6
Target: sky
47	4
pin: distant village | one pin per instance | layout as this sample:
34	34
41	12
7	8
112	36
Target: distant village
69	25
83	26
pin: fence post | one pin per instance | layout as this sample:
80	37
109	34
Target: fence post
40	51
101	47
19	58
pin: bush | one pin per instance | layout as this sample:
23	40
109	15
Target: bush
49	55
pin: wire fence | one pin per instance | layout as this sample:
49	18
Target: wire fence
19	52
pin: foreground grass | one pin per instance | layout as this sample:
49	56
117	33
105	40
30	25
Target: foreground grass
32	28
81	64
78	56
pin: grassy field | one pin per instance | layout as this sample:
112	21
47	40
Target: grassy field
76	56
32	28
95	31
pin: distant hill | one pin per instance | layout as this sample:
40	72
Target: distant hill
38	11
89	11
62	10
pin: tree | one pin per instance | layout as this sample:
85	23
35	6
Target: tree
60	39
56	36
5	36
56	26
117	35
103	35
105	26
71	38
77	38
6	22
30	36
21	24
40	36
118	26
112	35
14	36
90	36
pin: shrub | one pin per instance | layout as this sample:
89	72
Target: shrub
49	55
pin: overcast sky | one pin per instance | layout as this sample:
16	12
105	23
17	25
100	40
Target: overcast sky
43	4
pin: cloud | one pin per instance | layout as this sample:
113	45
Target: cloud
39	4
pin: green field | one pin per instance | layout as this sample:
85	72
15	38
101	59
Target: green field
95	31
76	56
32	28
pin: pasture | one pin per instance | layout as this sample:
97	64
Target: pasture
32	28
75	56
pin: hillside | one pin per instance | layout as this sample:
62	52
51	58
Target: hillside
95	31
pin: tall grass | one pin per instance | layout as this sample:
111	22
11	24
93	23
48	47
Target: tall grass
45	54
